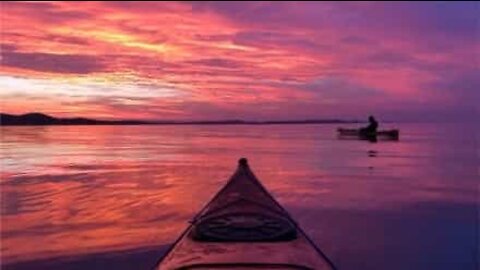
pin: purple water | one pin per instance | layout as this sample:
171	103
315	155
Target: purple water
80	191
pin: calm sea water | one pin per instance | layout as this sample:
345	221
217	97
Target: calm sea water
75	190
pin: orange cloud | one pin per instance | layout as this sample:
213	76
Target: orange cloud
202	60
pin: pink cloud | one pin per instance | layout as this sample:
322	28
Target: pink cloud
294	59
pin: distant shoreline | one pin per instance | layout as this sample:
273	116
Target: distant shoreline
39	119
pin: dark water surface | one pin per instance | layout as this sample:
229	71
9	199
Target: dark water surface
83	197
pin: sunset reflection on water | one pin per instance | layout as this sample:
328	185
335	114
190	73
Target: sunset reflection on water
85	189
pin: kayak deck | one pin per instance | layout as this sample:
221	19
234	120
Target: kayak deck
244	227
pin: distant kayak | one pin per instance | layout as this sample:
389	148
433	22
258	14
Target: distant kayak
244	227
392	134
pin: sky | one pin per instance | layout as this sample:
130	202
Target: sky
241	60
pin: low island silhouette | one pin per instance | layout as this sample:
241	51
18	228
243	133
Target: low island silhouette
41	119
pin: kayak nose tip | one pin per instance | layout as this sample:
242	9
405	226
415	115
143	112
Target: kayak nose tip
243	162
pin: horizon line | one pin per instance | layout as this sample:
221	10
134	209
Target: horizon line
166	121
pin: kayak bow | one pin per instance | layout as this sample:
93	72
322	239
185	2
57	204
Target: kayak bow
244	227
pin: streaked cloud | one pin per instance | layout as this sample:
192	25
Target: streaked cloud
269	60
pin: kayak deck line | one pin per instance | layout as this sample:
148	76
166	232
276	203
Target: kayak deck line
243	226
